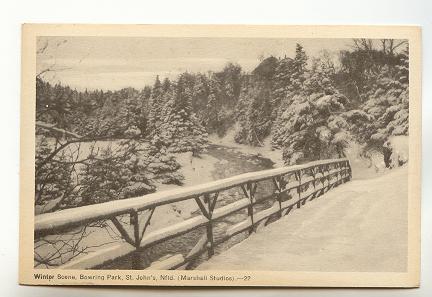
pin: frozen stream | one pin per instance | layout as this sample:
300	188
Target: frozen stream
230	162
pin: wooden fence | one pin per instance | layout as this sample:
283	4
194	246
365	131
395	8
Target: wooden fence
292	187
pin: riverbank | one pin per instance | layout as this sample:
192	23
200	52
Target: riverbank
216	163
264	151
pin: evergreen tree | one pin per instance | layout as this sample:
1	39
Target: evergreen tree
307	109
282	81
180	130
155	106
385	112
254	110
312	126
200	94
212	109
165	85
292	74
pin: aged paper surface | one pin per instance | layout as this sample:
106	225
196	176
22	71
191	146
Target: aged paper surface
198	155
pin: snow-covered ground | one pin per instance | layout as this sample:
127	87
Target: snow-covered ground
359	226
373	166
196	170
362	167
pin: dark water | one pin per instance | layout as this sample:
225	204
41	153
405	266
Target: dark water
231	162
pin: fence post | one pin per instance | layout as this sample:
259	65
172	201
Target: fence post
250	207
207	211
321	180
277	182
328	177
299	190
136	255
313	172
349	170
337	166
342	171
249	192
210	239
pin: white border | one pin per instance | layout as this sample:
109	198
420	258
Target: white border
256	12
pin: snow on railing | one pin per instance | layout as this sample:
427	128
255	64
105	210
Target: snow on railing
291	187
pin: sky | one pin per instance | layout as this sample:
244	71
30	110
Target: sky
112	63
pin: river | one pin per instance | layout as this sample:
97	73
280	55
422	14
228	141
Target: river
231	162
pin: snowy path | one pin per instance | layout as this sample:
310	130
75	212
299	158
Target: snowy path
359	226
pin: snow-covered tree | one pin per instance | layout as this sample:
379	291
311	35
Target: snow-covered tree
54	180
181	130
156	103
254	114
385	111
312	127
292	74
281	82
112	175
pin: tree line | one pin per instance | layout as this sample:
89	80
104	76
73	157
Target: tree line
311	108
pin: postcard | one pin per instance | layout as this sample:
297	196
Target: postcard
220	155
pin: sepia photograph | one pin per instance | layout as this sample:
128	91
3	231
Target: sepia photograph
212	158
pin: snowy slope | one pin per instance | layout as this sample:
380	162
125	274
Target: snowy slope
105	243
195	171
359	226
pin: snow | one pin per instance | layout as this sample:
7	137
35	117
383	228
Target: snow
117	207
198	246
257	217
358	226
167	193
164	264
177	228
196	170
191	223
362	167
400	147
99	256
374	165
47	206
167	218
52	127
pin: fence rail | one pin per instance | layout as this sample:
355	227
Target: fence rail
292	187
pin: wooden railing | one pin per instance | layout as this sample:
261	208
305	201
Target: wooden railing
291	187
